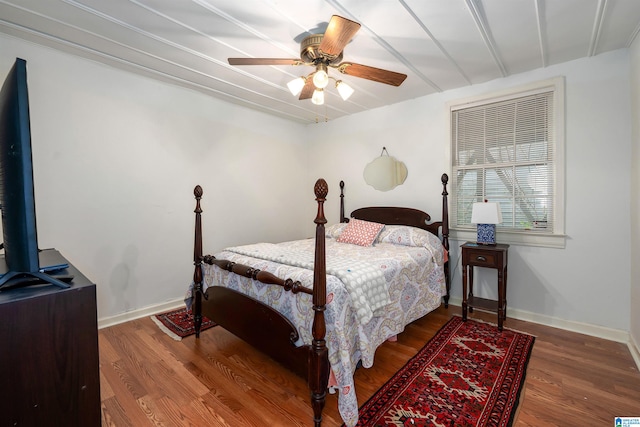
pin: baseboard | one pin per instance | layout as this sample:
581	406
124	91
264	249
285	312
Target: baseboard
142	312
568	325
635	350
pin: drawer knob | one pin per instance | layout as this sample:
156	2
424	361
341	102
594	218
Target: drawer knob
481	258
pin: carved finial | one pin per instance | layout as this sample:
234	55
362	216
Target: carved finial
198	193
341	185
444	178
321	189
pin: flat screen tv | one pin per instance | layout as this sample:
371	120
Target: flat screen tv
17	200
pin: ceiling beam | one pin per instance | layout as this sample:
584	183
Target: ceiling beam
482	26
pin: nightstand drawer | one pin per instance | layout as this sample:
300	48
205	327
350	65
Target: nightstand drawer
481	258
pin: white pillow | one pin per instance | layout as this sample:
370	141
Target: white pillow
407	236
335	230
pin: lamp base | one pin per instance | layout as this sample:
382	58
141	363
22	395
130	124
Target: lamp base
486	234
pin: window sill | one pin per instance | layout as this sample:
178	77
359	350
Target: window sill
545	240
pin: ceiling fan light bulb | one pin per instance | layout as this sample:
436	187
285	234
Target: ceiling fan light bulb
296	85
344	90
318	97
320	79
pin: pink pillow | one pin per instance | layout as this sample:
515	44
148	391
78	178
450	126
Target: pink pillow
360	232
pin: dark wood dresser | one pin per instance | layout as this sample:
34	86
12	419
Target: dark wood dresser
49	366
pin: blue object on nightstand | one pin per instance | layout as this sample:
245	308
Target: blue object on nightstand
486	234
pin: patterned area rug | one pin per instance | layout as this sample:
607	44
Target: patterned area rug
468	374
179	323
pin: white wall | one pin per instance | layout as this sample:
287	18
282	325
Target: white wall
635	197
588	281
116	158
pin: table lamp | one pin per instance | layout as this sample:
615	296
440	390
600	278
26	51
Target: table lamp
486	215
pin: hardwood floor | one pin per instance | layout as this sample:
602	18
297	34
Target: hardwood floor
148	379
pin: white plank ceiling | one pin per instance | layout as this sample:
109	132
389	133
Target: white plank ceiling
438	44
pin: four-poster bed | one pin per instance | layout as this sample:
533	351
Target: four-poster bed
316	321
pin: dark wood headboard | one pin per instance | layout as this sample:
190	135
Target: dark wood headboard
393	215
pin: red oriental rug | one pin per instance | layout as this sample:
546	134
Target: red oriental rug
468	374
179	323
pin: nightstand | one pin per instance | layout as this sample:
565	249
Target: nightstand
487	256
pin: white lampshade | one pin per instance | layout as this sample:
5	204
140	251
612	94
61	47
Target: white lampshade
320	79
344	90
318	97
486	213
296	85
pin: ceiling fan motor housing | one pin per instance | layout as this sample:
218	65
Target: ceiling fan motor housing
310	51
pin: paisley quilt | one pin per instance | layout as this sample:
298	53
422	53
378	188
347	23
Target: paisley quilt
413	271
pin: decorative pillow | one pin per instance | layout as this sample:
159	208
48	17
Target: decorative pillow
359	232
335	230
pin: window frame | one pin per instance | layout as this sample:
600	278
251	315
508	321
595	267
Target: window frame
557	238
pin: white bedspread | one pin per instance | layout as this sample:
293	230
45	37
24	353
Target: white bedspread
416	284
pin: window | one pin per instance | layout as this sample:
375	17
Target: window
509	149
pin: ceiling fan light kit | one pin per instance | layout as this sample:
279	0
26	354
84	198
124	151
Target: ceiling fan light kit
318	97
320	77
296	85
344	90
322	51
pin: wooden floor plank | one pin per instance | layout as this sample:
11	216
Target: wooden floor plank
218	380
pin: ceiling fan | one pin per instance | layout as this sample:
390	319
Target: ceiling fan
323	51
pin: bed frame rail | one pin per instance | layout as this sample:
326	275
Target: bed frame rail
257	274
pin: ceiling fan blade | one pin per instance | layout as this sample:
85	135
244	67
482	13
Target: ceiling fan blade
263	61
307	90
339	32
372	73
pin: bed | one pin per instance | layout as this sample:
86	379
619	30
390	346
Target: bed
321	306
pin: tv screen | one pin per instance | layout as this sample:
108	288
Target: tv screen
17	201
16	173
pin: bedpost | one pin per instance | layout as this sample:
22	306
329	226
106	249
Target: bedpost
342	218
445	234
319	355
197	262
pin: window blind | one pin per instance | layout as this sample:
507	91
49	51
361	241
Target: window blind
504	152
